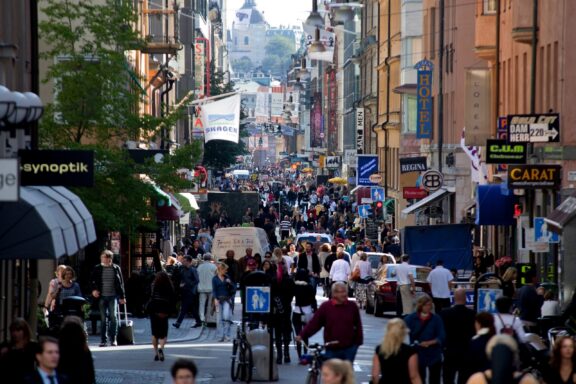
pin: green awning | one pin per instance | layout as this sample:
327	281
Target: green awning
164	197
135	78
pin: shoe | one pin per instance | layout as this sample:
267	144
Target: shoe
287	359
103	344
114	343
176	325
197	325
161	354
156	358
279	360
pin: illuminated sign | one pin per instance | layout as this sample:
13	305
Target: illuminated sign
500	152
424	99
534	176
57	167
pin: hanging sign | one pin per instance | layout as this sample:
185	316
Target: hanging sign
413	164
367	166
424	99
540	128
68	168
500	152
534	176
359	130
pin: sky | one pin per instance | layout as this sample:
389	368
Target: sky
276	12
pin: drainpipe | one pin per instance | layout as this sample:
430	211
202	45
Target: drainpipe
164	93
385	122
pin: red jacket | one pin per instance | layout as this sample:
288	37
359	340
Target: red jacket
341	322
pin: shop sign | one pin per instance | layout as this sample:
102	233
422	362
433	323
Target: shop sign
414	193
367	166
424	99
375	178
500	152
413	164
57	167
359	130
332	161
540	128
9	180
534	176
432	180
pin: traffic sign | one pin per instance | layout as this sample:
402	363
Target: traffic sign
539	128
542	234
258	299
364	211
487	299
377	194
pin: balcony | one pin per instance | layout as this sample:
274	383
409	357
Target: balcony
522	27
160	31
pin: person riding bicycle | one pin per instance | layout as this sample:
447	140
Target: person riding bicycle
342	323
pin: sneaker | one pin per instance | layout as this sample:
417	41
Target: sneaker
176	325
114	343
103	344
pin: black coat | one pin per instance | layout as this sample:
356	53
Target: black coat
459	325
303	262
35	378
96	280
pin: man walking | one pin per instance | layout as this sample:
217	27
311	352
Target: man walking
285	226
459	325
439	280
206	272
342	325
189	281
406	287
108	286
530	299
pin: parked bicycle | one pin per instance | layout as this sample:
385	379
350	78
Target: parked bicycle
314	359
242	363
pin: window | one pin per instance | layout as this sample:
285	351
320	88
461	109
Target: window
246	40
490	7
409	112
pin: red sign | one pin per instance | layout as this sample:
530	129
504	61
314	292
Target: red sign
414	193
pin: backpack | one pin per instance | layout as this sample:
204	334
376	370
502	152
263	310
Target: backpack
508	329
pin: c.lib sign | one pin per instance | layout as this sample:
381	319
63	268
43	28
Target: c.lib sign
534	176
9	180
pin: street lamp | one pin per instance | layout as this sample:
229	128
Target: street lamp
343	12
36	109
314	20
7	103
317	46
22	109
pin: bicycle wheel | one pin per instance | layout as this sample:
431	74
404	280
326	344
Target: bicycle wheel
234	363
312	377
245	362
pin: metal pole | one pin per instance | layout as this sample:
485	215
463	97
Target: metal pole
530	195
440	86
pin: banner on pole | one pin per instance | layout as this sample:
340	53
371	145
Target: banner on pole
222	119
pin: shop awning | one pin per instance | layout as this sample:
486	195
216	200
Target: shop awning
47	222
563	214
191	200
428	200
492	207
170	210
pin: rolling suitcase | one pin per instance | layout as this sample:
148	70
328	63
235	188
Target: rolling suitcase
125	329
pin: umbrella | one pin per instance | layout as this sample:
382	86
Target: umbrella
338	180
307	170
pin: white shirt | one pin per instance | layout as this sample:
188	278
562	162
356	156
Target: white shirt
550	308
287	261
439	280
340	270
365	268
403	271
508	320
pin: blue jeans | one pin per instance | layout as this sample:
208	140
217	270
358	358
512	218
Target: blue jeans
344	354
108	304
224	319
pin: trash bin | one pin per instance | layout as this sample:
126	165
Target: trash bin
259	340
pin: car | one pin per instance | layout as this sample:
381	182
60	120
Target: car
381	293
317	239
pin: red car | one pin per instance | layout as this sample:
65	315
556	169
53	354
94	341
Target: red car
381	293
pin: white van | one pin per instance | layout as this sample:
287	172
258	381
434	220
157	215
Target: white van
238	239
241	174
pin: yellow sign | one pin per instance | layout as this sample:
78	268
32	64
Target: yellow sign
375	178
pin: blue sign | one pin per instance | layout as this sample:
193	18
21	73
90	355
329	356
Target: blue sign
364	211
257	299
367	166
487	299
541	232
377	194
469	298
424	99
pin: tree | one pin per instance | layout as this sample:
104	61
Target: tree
96	101
278	55
244	64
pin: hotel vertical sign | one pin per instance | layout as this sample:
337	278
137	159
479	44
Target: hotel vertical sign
424	99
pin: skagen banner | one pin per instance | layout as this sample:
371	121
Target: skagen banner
534	176
57	167
501	152
413	164
477	108
424	105
222	119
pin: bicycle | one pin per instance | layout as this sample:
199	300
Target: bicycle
242	363
314	359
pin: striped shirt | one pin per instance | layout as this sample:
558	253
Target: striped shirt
108	288
285	225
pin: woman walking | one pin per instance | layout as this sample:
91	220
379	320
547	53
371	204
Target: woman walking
305	305
223	291
395	362
160	307
562	367
336	371
364	273
427	333
75	357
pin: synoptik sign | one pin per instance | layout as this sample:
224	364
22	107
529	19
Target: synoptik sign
424	99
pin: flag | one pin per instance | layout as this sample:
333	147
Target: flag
477	166
222	119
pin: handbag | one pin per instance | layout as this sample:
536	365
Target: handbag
305	317
355	274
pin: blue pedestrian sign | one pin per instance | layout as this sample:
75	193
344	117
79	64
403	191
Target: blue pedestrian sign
487	299
257	299
377	194
542	234
364	211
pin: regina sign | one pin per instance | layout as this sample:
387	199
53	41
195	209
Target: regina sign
534	176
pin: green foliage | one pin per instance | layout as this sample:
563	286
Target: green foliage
278	55
96	101
243	64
